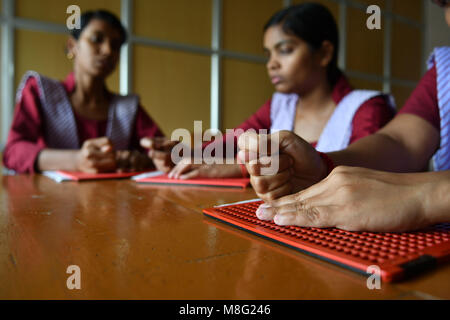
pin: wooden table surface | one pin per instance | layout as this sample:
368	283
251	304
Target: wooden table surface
153	242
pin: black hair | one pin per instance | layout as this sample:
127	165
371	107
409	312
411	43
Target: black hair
313	23
441	3
104	15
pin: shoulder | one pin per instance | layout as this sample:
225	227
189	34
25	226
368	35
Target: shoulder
378	103
370	103
31	83
371	116
265	108
264	111
260	119
423	101
29	87
377	110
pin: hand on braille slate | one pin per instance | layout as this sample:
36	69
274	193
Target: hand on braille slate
96	156
358	199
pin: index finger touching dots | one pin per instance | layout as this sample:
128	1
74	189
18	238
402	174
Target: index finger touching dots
267	211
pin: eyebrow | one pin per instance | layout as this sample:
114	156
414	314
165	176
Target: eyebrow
280	43
101	32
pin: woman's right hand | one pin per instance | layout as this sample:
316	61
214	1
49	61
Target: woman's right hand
96	156
159	150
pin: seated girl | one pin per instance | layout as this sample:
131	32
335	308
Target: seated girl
313	97
78	124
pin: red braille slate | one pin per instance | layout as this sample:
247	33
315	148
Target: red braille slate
398	255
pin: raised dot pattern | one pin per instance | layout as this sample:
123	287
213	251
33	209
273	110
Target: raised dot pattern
370	247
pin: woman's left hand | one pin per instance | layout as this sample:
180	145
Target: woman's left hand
356	199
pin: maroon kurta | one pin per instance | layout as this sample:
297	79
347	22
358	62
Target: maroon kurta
373	114
423	101
26	137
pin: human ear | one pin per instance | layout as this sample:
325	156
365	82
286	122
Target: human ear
71	47
326	53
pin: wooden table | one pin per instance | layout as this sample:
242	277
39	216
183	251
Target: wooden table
147	242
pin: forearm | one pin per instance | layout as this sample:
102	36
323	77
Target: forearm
437	200
406	144
52	159
379	152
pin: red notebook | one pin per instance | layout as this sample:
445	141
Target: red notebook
160	178
61	176
398	255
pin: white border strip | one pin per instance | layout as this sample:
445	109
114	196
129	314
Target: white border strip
387	49
235	203
7	60
216	66
126	55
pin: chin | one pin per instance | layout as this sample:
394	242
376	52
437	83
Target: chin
283	89
101	73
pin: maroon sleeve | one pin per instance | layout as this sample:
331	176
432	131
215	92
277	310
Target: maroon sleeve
423	101
373	114
26	138
144	127
259	120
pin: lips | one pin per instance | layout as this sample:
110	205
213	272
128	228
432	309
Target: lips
276	79
103	62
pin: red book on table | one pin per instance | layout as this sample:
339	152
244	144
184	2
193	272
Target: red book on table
160	178
62	176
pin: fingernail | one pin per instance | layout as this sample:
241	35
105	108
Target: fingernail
280	220
262	212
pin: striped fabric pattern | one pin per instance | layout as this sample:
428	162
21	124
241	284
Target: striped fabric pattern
441	57
121	120
59	120
60	128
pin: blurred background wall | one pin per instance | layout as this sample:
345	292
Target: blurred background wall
203	59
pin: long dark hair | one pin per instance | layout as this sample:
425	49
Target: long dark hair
313	23
104	15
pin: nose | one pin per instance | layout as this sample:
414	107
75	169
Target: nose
272	63
106	48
